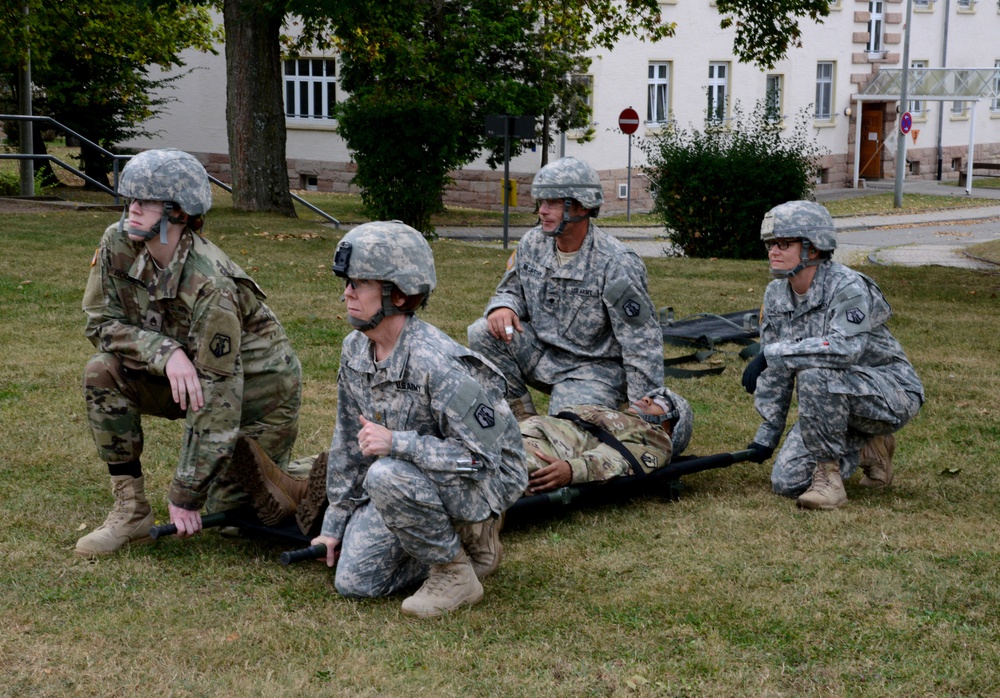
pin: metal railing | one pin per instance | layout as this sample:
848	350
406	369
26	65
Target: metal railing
115	164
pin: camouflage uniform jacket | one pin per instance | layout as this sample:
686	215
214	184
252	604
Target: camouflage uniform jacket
596	309
591	460
445	407
204	304
839	325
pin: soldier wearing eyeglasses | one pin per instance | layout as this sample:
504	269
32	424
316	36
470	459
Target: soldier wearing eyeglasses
823	336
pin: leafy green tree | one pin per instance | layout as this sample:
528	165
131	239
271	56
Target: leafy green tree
713	187
766	30
421	78
92	64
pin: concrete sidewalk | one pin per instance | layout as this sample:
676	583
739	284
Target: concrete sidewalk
932	237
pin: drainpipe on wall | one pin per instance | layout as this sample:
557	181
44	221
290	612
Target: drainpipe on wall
944	64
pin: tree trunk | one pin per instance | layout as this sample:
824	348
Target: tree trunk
255	115
43	167
95	165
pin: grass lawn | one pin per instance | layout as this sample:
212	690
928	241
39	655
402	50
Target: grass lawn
730	591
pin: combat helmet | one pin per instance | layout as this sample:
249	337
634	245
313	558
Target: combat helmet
570	179
677	411
387	251
171	176
800	220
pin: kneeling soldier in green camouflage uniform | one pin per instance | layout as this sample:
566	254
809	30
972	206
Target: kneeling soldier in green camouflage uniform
823	334
426	454
590	443
182	333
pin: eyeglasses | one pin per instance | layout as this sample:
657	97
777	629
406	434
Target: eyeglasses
780	244
145	204
358	284
551	203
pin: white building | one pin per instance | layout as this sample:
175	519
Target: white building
678	79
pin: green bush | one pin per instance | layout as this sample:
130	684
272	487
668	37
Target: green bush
712	188
10	183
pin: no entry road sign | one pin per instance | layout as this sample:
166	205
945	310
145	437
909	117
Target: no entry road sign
628	121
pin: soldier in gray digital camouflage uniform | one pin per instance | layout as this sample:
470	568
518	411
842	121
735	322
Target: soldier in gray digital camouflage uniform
572	316
426	454
823	333
589	443
182	333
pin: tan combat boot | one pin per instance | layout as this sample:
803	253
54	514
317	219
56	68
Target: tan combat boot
522	407
482	544
448	587
275	494
313	504
827	489
876	461
129	521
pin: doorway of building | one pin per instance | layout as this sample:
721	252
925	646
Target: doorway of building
872	141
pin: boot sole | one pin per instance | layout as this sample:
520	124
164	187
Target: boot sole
104	553
820	507
269	502
441	612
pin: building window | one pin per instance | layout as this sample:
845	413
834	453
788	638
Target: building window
923	4
824	91
917	105
658	104
310	88
718	82
773	96
586	85
961	86
875	20
966	4
995	103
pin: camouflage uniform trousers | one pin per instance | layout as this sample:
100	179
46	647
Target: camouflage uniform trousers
117	397
407	525
834	426
586	383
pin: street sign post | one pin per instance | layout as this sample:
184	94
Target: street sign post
628	122
506	126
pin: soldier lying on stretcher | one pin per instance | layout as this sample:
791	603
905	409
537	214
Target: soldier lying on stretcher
587	443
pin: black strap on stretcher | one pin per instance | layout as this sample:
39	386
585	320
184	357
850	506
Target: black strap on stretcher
605	437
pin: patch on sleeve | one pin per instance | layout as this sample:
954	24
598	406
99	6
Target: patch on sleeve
855	316
851	315
220	345
511	260
476	411
93	262
622	296
93	295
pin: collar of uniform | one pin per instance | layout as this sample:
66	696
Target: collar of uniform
392	368
162	284
579	268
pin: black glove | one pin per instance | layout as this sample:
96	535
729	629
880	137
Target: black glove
761	453
752	372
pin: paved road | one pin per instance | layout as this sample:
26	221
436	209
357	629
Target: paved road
936	237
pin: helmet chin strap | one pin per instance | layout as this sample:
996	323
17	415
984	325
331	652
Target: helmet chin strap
804	262
566	218
159	227
387	309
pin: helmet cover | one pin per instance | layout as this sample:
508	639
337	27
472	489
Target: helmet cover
168	174
569	178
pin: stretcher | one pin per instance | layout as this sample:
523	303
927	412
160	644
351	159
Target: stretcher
663	482
704	333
